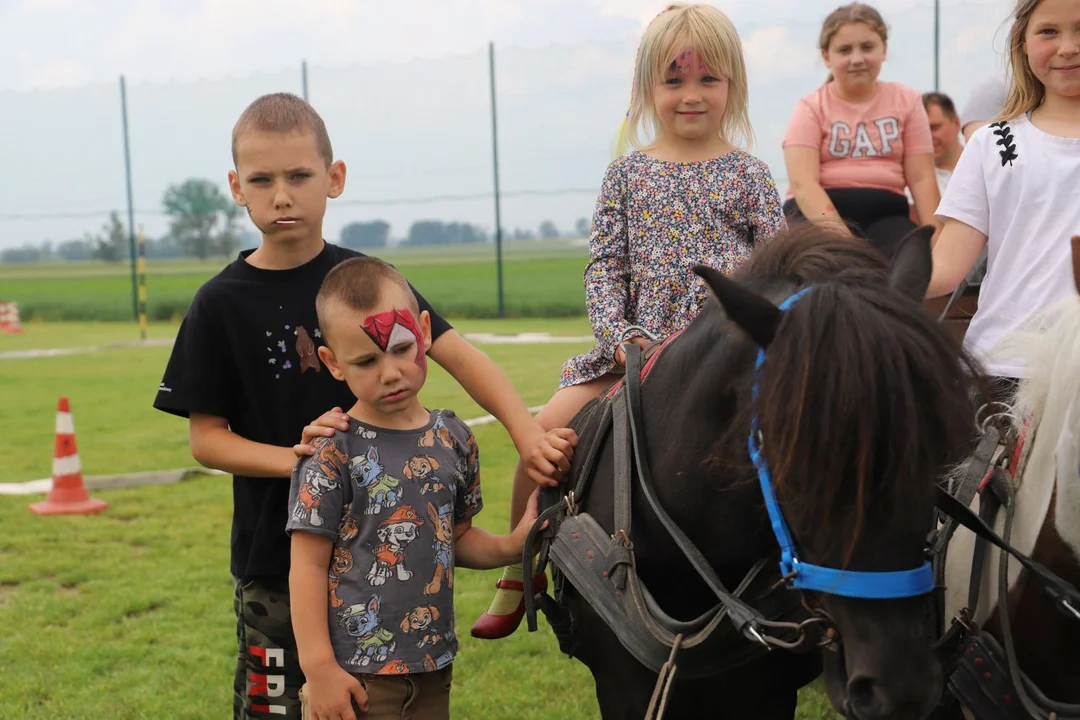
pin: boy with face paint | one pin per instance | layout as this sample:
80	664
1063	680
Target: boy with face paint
246	372
382	512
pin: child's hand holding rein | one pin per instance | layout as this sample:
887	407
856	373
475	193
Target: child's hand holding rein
620	354
549	459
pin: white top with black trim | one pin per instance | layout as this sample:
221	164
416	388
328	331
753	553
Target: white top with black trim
1020	187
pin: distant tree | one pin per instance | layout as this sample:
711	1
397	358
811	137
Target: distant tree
75	250
197	208
425	232
165	248
373	234
523	234
26	254
464	233
111	244
583	227
548	230
436	232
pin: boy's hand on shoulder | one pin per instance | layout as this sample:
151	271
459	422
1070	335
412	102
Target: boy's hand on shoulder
548	460
331	692
324	426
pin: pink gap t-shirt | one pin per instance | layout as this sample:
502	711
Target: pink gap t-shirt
862	145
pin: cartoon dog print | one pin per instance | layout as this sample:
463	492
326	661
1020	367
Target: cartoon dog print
421	621
347	530
309	497
341	563
394	533
422	468
394	667
474	451
440	662
326	453
373	643
443	522
382	489
473	495
440	431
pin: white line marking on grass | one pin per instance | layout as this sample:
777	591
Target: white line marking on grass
53	352
533	338
159	477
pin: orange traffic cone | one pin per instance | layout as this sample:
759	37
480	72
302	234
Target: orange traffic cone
9	318
68	495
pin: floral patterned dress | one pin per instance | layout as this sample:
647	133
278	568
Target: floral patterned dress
654	220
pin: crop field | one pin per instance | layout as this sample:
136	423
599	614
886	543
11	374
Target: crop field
541	278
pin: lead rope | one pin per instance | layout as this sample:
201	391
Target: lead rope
663	683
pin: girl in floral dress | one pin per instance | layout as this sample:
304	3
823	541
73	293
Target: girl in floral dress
689	196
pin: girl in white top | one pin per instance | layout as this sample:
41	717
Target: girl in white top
1016	189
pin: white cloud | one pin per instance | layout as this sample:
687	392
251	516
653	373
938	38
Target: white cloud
61	73
772	52
642	11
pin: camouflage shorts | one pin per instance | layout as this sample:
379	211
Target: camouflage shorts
268	677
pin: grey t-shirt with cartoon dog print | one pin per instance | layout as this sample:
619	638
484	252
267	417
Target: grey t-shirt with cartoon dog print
389	500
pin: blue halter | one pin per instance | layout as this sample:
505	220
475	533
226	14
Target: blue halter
848	583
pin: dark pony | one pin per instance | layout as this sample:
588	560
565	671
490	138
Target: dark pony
863	404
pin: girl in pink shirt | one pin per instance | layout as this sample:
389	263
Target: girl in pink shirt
855	143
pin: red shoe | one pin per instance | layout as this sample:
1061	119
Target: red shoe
493	624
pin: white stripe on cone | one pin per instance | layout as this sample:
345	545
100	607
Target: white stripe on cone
69	465
65	424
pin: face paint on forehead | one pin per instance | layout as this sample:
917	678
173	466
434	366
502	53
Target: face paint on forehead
686	62
391	327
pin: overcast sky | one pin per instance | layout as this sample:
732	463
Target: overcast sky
403	87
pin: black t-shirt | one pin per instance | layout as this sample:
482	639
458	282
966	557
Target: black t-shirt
246	351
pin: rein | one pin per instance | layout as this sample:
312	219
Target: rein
987	478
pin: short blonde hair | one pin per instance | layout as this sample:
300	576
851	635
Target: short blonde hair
711	34
1025	92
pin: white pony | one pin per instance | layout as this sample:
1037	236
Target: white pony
1047	484
1050	397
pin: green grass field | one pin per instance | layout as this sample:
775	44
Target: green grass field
128	614
540	279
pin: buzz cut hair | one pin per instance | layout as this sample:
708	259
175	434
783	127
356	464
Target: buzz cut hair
360	284
283	113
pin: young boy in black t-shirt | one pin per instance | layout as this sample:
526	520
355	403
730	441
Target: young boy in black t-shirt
246	372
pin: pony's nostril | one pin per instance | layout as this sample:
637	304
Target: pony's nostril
864	698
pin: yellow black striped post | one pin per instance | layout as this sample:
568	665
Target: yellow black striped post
142	283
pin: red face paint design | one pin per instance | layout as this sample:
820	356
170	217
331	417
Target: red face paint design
686	63
389	328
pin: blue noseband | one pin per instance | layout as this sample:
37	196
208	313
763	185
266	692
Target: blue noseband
848	583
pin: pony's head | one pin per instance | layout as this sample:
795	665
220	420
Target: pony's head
862	404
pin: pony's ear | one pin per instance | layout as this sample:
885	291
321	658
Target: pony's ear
753	313
912	264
